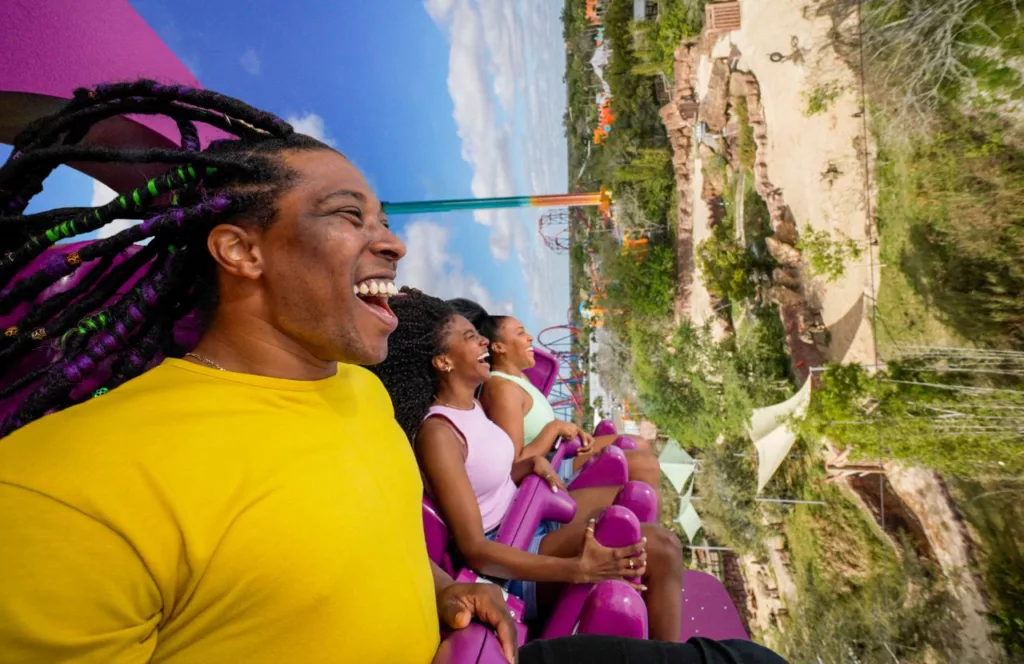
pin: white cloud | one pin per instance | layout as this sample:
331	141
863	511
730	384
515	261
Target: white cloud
438	9
506	62
101	195
435	270
485	142
250	61
311	124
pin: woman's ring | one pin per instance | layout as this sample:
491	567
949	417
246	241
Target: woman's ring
630	563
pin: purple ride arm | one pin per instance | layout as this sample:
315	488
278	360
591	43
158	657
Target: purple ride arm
641	499
606	468
605	428
609	607
476	644
609	469
627	443
534	502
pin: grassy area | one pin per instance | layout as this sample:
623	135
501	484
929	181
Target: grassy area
950	168
995	512
907	313
859	599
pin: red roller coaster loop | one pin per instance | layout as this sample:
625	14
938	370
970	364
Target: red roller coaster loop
567	394
557	225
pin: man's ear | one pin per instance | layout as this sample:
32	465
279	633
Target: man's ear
236	250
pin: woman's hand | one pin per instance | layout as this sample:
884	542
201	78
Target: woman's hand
598	563
587	445
543	469
568	430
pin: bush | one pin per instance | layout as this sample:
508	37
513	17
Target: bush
686	387
696	389
827	257
677	20
873	619
996	513
746	147
727	485
642	281
821	97
920	56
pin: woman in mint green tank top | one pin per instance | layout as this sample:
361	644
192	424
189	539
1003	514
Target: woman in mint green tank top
515	405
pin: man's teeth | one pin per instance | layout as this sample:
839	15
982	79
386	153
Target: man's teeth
484	355
372	287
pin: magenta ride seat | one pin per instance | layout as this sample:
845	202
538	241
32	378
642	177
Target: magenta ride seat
543	376
707	608
609	607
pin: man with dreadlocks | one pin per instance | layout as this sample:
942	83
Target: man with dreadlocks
251	499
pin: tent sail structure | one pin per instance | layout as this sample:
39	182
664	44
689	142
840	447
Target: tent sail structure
679	468
769	431
772	436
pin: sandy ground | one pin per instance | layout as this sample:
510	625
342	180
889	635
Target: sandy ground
799	150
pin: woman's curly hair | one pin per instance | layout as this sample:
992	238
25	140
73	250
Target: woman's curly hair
485	324
407	373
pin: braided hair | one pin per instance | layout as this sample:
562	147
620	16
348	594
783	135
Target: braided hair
102	321
407	373
486	324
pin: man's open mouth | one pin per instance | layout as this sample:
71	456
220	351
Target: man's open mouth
375	293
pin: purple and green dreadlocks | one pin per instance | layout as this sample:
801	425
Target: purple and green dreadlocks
90	323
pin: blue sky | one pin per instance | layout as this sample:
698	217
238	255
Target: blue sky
434	99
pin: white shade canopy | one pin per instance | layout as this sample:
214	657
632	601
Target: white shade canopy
769	431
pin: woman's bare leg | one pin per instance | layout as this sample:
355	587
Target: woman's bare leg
664	581
664	577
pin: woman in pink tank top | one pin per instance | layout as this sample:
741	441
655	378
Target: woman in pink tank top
488	454
436	362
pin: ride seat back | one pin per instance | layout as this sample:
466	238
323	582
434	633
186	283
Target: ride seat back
545	372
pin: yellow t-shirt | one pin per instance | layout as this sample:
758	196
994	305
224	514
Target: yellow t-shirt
195	515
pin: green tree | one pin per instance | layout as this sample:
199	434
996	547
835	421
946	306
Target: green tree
727	485
727	266
642	281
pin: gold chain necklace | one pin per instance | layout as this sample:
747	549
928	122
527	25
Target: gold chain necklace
448	405
205	361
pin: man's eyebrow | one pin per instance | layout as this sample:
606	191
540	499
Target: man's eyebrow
342	192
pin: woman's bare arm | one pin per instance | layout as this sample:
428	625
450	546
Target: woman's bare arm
503	401
439	452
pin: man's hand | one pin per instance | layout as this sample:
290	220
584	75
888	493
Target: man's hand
459	603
